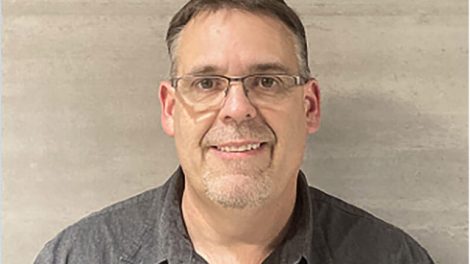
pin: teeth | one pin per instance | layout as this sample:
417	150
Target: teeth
239	148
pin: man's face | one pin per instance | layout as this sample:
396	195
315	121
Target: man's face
242	153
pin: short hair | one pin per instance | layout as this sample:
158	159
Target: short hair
274	8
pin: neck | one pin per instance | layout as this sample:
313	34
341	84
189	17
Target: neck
228	235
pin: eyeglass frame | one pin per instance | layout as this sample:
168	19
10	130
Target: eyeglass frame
298	80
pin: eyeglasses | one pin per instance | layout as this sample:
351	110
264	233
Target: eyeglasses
209	91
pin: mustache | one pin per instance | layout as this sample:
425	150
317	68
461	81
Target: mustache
254	130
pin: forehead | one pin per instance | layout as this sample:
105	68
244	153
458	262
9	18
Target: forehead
233	42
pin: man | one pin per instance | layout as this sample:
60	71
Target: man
240	104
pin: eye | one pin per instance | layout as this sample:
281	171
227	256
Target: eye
267	82
205	83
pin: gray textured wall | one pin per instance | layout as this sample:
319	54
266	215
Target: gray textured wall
81	116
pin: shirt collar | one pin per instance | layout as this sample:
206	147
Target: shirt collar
175	246
304	239
309	229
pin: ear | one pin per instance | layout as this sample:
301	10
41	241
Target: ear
167	103
312	105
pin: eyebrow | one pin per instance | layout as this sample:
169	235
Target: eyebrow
273	67
205	69
269	67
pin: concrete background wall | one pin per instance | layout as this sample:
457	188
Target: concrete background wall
81	117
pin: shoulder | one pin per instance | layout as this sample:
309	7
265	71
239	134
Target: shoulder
352	233
104	235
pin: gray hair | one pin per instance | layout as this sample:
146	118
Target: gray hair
274	8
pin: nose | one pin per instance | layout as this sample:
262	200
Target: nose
237	107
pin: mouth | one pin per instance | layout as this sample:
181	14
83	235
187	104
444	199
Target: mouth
239	149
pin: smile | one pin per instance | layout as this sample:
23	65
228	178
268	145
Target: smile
241	148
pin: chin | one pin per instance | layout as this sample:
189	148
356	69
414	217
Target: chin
237	190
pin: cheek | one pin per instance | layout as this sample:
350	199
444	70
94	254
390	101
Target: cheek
294	132
190	126
288	118
289	125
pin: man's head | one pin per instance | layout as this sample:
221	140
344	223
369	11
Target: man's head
240	140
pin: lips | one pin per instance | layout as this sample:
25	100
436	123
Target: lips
238	148
249	138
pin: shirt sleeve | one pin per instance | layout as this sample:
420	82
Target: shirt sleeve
56	251
411	252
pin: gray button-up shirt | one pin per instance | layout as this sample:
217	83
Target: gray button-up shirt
149	229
